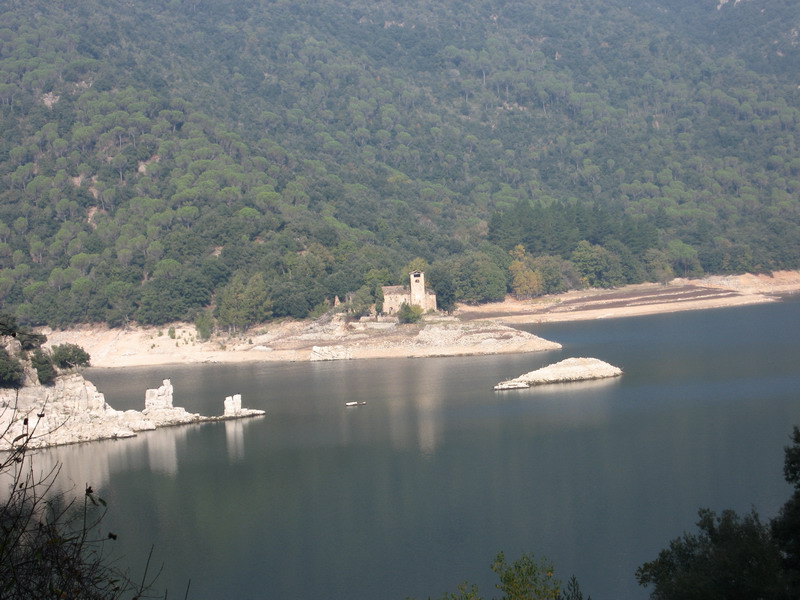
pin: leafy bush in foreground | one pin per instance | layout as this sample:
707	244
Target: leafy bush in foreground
11	372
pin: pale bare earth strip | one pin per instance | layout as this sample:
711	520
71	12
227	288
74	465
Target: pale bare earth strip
637	309
293	342
638	300
474	330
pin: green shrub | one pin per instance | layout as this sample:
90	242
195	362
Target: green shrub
67	356
43	364
204	324
409	314
12	374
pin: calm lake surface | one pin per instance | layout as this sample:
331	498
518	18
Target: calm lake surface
417	490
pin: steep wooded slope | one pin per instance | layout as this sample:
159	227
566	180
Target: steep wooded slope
161	157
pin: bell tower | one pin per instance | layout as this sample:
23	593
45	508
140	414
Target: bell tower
418	289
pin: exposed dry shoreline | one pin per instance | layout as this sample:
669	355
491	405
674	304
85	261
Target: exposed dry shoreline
334	339
473	330
643	299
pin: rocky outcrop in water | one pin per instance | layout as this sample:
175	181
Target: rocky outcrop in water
69	411
158	407
72	411
234	410
571	369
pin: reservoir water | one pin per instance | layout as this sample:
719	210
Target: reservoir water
418	489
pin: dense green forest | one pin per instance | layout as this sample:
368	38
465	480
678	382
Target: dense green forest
166	160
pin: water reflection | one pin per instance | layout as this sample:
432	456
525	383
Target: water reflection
92	463
428	398
95	463
162	450
416	396
234	438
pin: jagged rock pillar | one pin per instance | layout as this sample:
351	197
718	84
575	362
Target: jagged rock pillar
160	398
233	405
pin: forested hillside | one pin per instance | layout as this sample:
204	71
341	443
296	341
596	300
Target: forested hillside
168	160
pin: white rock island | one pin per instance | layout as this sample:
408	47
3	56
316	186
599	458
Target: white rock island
571	369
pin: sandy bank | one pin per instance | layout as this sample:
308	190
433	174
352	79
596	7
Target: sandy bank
473	330
642	299
333	339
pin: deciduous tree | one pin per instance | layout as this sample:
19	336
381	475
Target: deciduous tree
731	557
786	526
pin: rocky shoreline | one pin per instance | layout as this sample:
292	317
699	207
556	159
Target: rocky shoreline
72	410
330	338
473	330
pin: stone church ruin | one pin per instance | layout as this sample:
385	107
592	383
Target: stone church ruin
394	296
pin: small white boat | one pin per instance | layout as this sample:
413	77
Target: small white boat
354	403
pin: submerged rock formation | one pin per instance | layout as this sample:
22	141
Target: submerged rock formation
158	407
234	410
233	405
159	398
571	369
72	411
